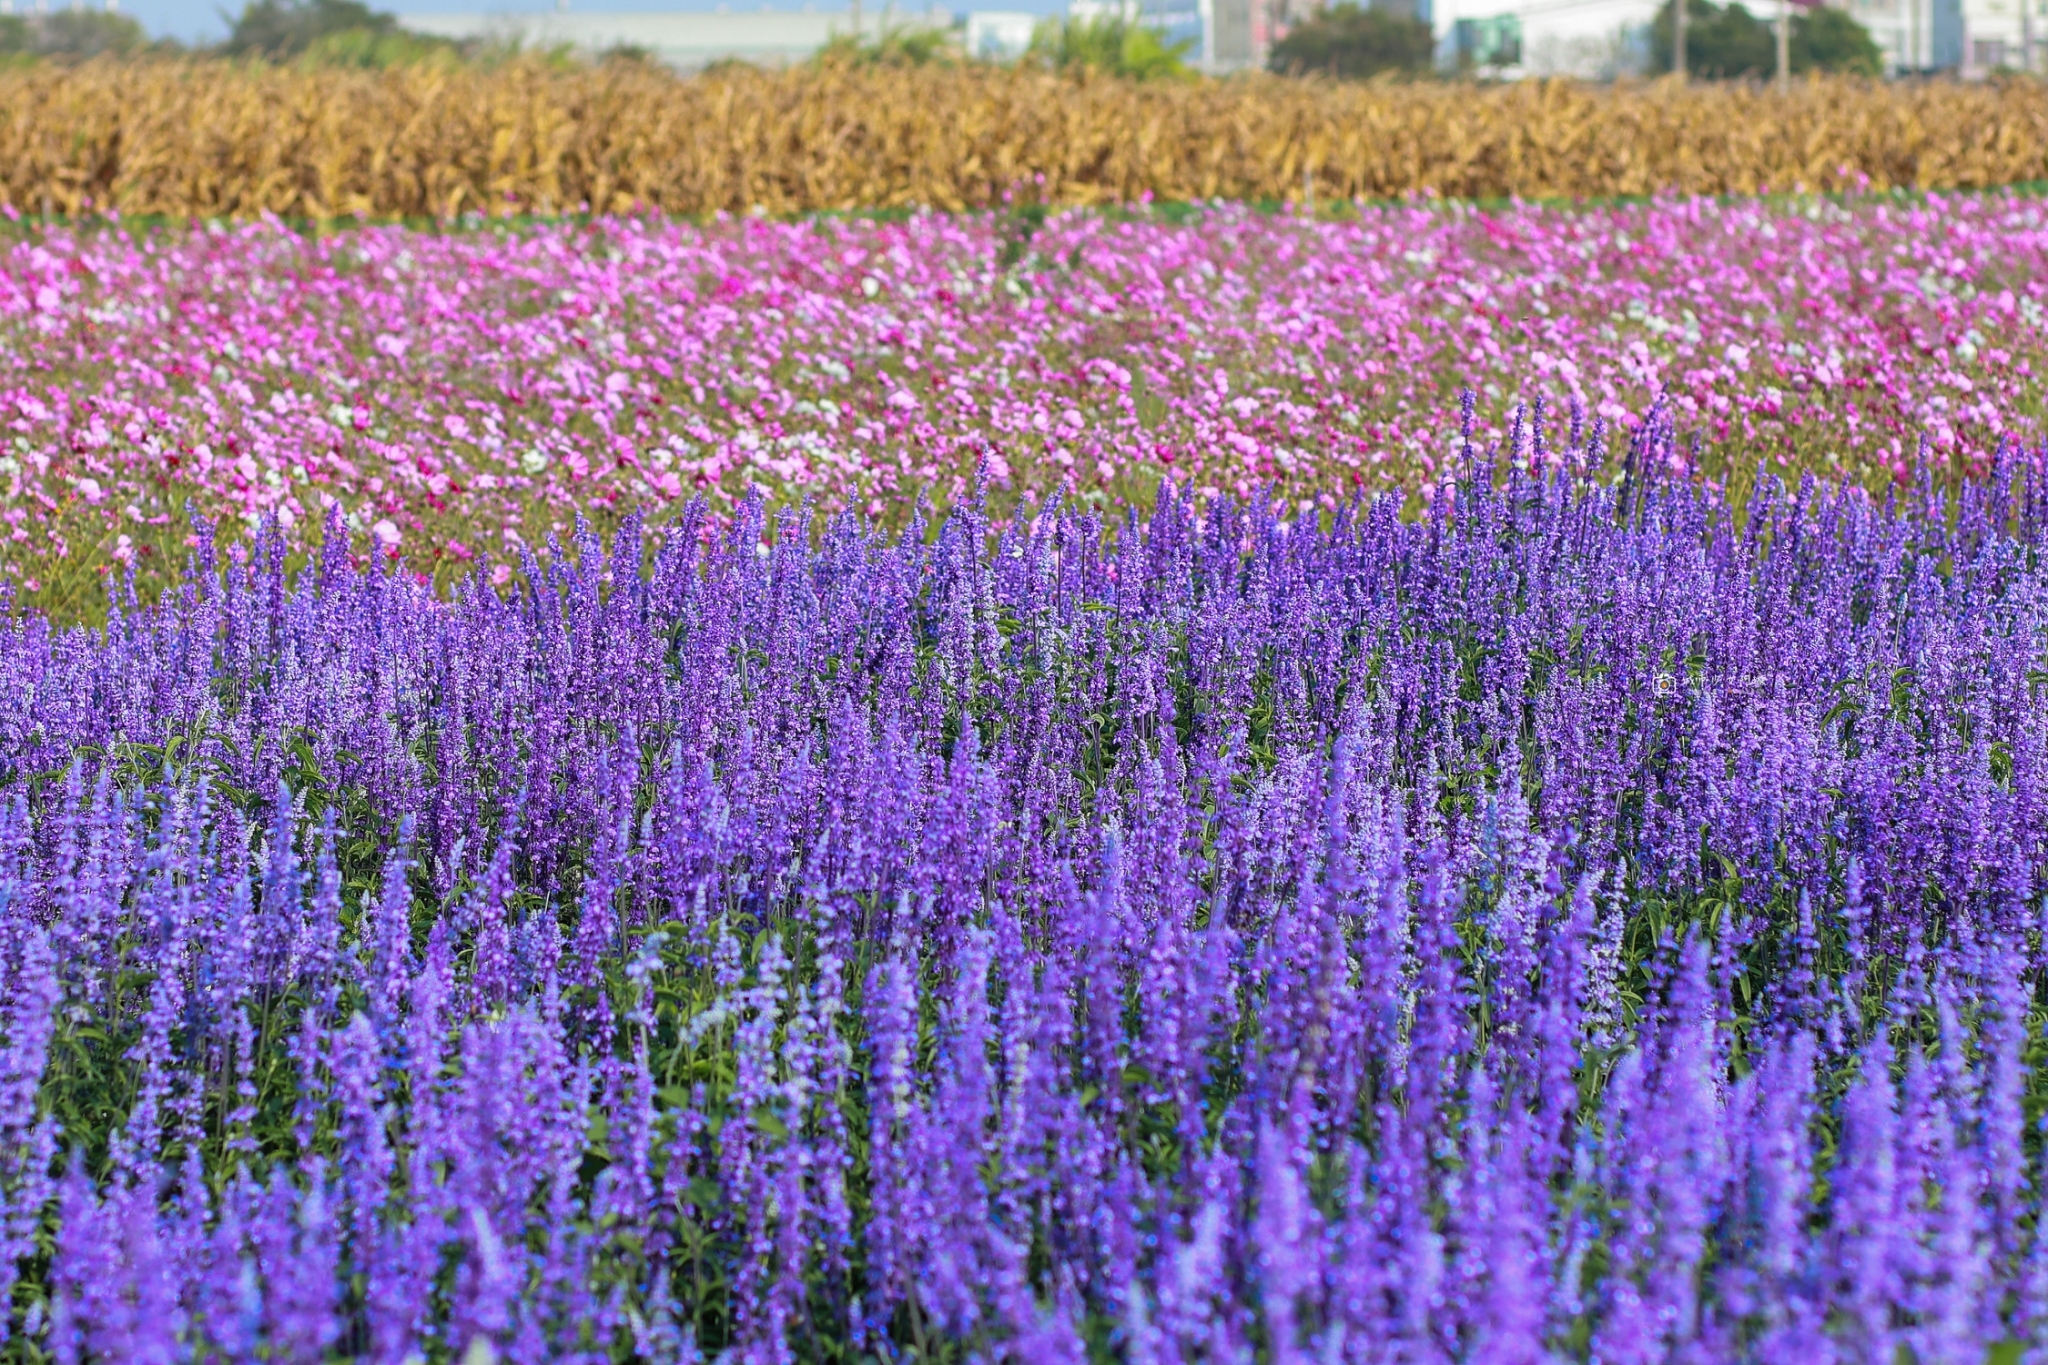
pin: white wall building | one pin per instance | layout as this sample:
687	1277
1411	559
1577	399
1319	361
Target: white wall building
999	35
1603	39
1975	37
1600	39
2004	34
1915	35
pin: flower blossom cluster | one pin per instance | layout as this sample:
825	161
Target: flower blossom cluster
1579	923
452	389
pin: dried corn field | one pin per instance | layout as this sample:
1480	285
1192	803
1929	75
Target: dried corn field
209	138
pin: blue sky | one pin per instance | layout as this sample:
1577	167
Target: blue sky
197	21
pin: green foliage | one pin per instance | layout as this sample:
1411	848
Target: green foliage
251	1111
345	33
70	33
1114	47
894	47
1351	41
1720	44
290	28
628	52
88	33
1732	43
1830	39
373	49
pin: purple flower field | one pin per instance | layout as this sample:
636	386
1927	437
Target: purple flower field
1578	924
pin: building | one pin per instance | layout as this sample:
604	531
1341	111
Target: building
1227	35
1970	38
2004	35
1604	39
1916	35
1591	39
1000	35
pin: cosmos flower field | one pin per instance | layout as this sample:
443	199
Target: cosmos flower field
462	393
1426	881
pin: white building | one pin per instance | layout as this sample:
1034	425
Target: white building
2004	34
999	35
1603	39
1592	39
1600	39
1914	35
1975	37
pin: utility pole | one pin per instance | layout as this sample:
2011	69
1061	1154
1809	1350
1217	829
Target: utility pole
1784	44
1678	38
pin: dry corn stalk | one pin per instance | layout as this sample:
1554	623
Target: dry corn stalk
210	138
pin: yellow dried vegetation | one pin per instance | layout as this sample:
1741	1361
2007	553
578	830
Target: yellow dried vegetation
210	138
